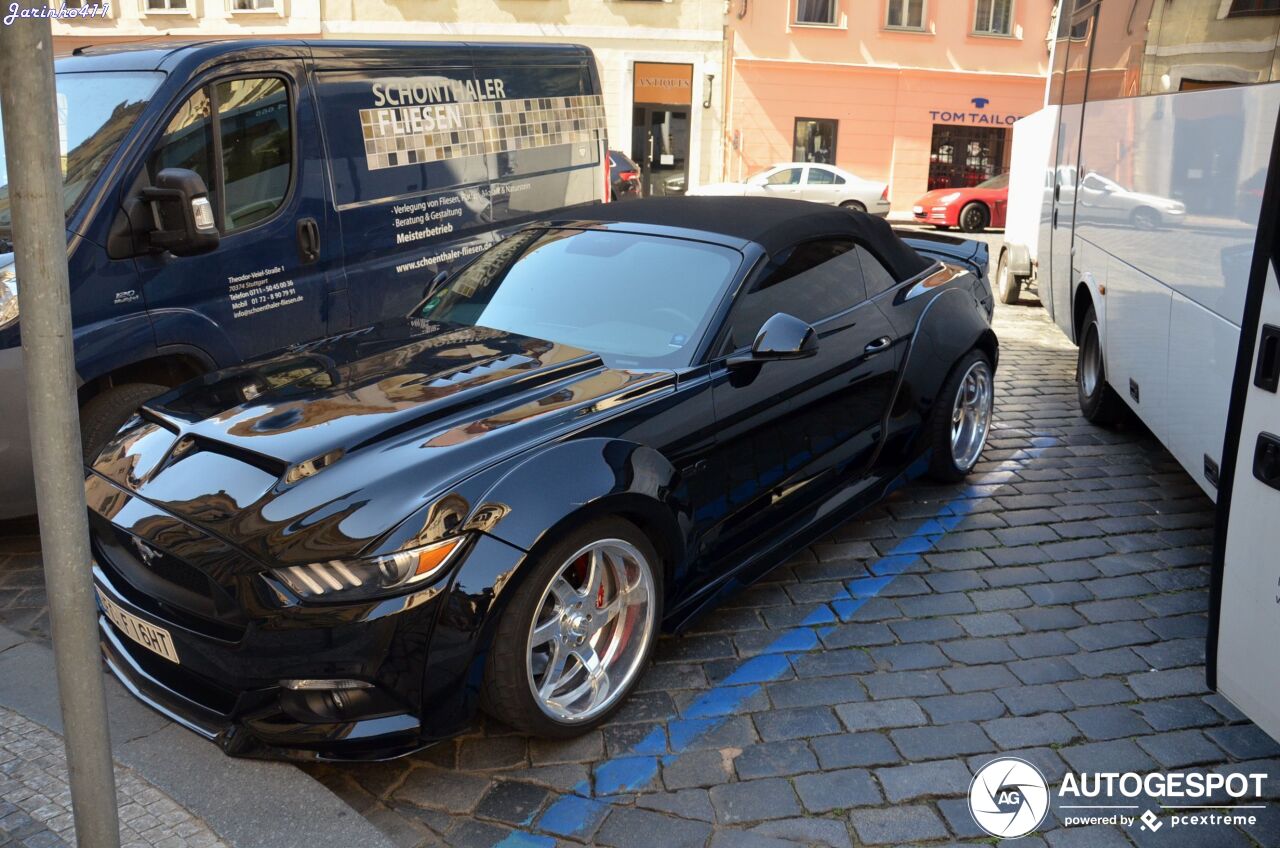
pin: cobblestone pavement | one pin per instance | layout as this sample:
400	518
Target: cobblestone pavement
35	801
1052	608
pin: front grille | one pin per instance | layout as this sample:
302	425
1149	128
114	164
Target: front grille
166	587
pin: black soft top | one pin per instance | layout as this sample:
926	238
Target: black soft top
771	222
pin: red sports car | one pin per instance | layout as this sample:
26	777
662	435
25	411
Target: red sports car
970	209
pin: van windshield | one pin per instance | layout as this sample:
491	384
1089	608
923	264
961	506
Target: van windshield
95	111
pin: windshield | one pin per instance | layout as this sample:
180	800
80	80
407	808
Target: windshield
1001	181
95	110
637	300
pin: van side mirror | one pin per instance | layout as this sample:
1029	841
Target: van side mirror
183	215
782	337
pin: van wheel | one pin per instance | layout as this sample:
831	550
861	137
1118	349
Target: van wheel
974	218
1098	401
105	413
1008	284
577	633
962	418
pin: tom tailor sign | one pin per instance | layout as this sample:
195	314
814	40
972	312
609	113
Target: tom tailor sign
664	83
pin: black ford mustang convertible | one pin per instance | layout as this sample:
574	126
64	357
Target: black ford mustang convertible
593	430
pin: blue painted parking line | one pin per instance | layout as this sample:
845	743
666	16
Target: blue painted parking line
577	813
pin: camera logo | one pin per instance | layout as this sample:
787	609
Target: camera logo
1009	797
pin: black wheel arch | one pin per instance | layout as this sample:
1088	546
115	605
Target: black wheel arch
1080	305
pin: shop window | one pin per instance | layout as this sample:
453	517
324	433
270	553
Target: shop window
905	14
815	140
1242	8
962	156
816	12
993	17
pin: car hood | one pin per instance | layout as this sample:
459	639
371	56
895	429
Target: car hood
349	436
934	198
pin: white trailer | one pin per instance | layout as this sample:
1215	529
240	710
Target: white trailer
1030	184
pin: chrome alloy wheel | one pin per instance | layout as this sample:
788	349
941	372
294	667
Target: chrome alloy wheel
971	415
590	631
1091	362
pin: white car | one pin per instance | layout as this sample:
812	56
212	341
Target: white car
808	181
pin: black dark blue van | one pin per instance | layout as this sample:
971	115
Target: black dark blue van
229	199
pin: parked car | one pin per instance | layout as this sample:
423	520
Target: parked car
595	429
1106	201
319	214
970	209
808	181
624	177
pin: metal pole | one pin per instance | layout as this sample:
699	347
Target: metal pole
40	248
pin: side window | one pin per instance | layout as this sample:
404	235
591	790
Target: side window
257	148
821	176
251	118
188	143
877	278
812	281
787	176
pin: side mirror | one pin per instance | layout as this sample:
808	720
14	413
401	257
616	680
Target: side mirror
782	337
184	223
436	282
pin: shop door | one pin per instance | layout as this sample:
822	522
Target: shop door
660	144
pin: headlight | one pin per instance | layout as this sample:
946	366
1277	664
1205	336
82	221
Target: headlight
949	198
8	296
357	579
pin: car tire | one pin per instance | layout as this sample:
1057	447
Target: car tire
1145	218
974	217
105	413
515	690
1008	284
1099	403
854	206
961	418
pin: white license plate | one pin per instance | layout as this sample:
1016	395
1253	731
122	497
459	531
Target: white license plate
154	639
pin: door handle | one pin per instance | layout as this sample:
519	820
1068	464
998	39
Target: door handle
1267	377
308	240
879	344
1266	460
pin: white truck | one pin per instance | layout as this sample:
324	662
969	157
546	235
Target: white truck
1030	184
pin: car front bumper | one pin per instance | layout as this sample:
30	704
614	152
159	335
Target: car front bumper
227	685
17	486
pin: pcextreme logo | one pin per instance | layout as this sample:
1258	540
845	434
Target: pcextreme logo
1010	798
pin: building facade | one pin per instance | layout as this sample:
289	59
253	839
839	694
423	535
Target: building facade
921	94
661	63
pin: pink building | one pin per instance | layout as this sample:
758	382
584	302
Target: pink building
919	93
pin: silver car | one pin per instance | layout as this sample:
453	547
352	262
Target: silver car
809	181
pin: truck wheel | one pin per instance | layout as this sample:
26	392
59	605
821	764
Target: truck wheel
577	633
962	418
1008	284
1098	401
974	218
104	414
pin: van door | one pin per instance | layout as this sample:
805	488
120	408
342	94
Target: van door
250	131
1074	82
1245	600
